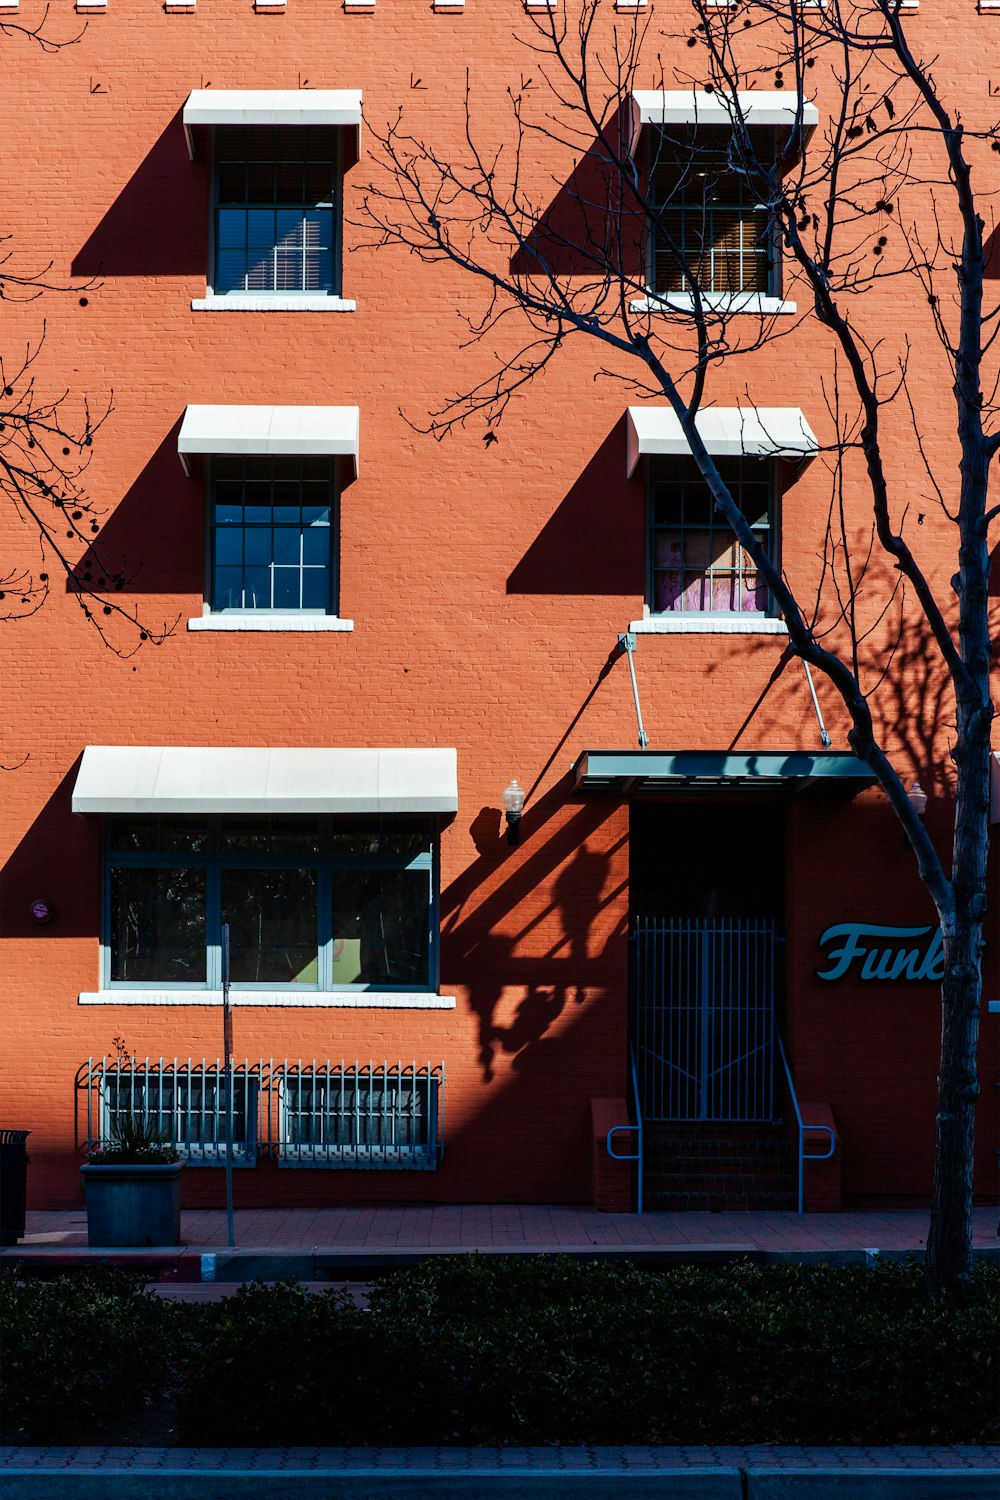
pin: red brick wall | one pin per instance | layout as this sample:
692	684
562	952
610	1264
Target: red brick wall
487	583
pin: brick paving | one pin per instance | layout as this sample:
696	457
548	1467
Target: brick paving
526	1227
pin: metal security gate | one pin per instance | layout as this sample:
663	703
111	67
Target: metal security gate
703	1018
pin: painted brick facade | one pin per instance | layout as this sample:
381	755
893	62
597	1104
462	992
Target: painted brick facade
487	583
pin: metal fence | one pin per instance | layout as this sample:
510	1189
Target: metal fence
704	1018
301	1114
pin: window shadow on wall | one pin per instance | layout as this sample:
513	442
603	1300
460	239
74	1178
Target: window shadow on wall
56	861
594	541
576	235
158	223
154	536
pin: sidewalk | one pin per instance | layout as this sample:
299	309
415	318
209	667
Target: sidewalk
314	1244
717	1473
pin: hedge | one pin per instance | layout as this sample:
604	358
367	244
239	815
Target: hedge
479	1350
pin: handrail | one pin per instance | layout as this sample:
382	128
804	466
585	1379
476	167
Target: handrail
804	1156
637	1127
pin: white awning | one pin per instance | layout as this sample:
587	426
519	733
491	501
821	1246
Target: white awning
270	431
338	107
726	431
154	779
696	107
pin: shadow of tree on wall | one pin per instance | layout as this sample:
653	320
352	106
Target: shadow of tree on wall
554	888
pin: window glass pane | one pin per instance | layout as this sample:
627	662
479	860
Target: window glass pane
157	922
149	834
380	927
228	592
229	546
231	271
287	588
272	925
315	545
257	588
270	835
232	229
711	230
376	835
315	588
258	546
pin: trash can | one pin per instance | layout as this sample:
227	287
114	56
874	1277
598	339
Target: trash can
13	1184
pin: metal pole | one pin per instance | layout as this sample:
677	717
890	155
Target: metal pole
227	1047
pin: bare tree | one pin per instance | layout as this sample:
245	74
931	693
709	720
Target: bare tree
875	203
46	443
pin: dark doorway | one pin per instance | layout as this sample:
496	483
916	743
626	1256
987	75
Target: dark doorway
707	859
707	897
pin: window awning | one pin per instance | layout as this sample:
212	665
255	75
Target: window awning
756	431
696	107
340	107
645	772
154	779
269	431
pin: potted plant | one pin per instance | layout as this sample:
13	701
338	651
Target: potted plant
133	1186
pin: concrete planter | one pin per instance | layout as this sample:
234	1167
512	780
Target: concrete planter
138	1204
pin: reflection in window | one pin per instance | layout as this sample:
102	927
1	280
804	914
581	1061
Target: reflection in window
721	237
697	563
275	215
272	534
272	925
158	925
311	902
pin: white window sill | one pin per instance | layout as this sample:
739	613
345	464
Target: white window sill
245	302
316	999
694	624
720	302
263	621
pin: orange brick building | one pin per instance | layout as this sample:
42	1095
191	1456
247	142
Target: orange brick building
368	634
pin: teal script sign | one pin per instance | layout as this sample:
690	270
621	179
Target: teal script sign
883	952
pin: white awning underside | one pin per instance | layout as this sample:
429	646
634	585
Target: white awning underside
270	431
694	107
335	107
155	779
726	431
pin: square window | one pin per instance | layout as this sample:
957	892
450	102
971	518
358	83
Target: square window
273	537
710	232
696	563
277	210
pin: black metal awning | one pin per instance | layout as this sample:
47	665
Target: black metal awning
649	772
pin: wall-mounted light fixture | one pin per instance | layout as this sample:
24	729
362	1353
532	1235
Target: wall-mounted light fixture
918	799
513	806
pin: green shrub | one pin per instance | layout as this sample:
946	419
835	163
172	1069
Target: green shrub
276	1364
82	1353
509	1350
478	1349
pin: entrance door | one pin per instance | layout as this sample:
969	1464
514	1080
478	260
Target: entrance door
703	1026
706	896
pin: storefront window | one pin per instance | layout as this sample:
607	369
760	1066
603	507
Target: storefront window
312	902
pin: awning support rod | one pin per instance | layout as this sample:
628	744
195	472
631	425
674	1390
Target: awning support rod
626	643
824	738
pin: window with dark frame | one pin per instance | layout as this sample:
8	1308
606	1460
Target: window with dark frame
277	210
722	240
273	534
697	564
322	903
